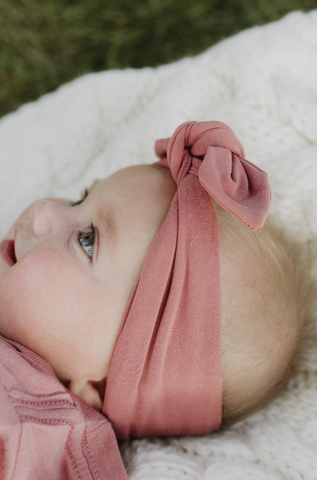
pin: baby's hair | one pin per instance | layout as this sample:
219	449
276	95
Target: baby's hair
265	318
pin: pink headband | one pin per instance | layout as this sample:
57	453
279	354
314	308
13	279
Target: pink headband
165	377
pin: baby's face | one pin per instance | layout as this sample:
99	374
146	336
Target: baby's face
76	266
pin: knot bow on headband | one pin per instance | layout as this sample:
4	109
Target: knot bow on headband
165	376
212	151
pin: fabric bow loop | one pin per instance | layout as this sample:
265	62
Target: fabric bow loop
211	151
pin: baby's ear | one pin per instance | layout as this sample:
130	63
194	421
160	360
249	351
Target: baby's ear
89	391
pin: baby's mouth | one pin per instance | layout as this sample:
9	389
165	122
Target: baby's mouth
7	252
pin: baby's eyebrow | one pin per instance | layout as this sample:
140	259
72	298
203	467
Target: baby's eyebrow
84	195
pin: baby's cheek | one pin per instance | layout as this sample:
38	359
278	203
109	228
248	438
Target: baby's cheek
13	305
49	304
26	295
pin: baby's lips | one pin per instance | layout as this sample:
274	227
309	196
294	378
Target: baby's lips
7	253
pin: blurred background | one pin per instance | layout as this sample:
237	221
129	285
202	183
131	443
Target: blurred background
44	43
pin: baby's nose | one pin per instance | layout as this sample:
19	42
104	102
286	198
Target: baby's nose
46	215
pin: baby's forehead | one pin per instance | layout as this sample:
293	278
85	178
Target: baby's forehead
136	173
136	182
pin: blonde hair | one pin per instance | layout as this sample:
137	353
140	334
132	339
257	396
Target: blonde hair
264	334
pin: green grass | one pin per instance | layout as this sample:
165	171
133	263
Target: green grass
44	43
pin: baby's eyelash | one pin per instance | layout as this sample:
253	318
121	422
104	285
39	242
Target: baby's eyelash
83	197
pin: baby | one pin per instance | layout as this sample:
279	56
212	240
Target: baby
72	273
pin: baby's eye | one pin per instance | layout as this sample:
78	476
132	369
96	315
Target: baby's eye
87	240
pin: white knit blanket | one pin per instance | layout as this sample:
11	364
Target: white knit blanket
261	82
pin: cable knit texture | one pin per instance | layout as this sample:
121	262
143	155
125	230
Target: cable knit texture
261	82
